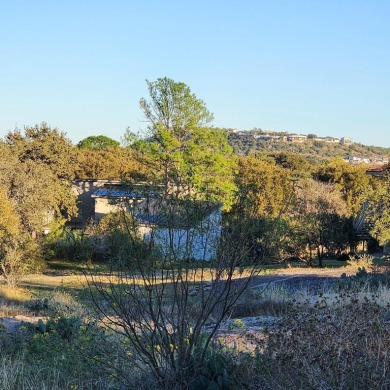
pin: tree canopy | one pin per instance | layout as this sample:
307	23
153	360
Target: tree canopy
35	170
98	142
173	106
264	188
350	179
46	145
188	158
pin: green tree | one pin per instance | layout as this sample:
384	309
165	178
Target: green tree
378	212
263	188
292	161
265	192
173	107
9	220
18	254
118	163
41	143
98	142
320	219
352	180
188	158
18	258
33	185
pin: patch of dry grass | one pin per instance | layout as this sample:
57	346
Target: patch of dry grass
12	300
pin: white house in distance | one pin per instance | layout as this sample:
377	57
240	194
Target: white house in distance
296	138
179	229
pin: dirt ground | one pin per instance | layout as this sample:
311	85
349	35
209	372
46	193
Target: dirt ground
301	277
293	278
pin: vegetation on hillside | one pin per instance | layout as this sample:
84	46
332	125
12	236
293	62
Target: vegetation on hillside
244	143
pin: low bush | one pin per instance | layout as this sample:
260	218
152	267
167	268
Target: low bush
364	261
329	346
58	353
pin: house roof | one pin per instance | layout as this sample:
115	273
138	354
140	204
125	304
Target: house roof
181	216
121	191
379	169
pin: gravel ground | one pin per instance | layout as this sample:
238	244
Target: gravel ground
301	278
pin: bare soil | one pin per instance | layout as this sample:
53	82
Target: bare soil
296	278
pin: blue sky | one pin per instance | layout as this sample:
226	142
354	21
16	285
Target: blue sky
301	66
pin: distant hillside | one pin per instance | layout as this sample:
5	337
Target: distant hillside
314	148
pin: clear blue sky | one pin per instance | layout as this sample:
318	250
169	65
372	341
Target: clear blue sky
301	66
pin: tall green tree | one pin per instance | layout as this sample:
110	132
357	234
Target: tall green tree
174	107
19	254
265	192
187	157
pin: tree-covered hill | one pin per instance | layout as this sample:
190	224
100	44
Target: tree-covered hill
247	142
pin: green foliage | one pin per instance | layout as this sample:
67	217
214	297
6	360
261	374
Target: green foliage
58	353
174	107
378	211
320	219
34	171
9	220
351	180
98	142
18	258
41	143
263	189
297	163
120	242
111	163
75	245
186	157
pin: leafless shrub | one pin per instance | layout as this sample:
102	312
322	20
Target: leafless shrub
160	304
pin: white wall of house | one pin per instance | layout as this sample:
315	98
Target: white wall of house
198	243
104	206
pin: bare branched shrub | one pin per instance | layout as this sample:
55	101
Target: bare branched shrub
160	300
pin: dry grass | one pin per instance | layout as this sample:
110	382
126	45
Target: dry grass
12	301
334	339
